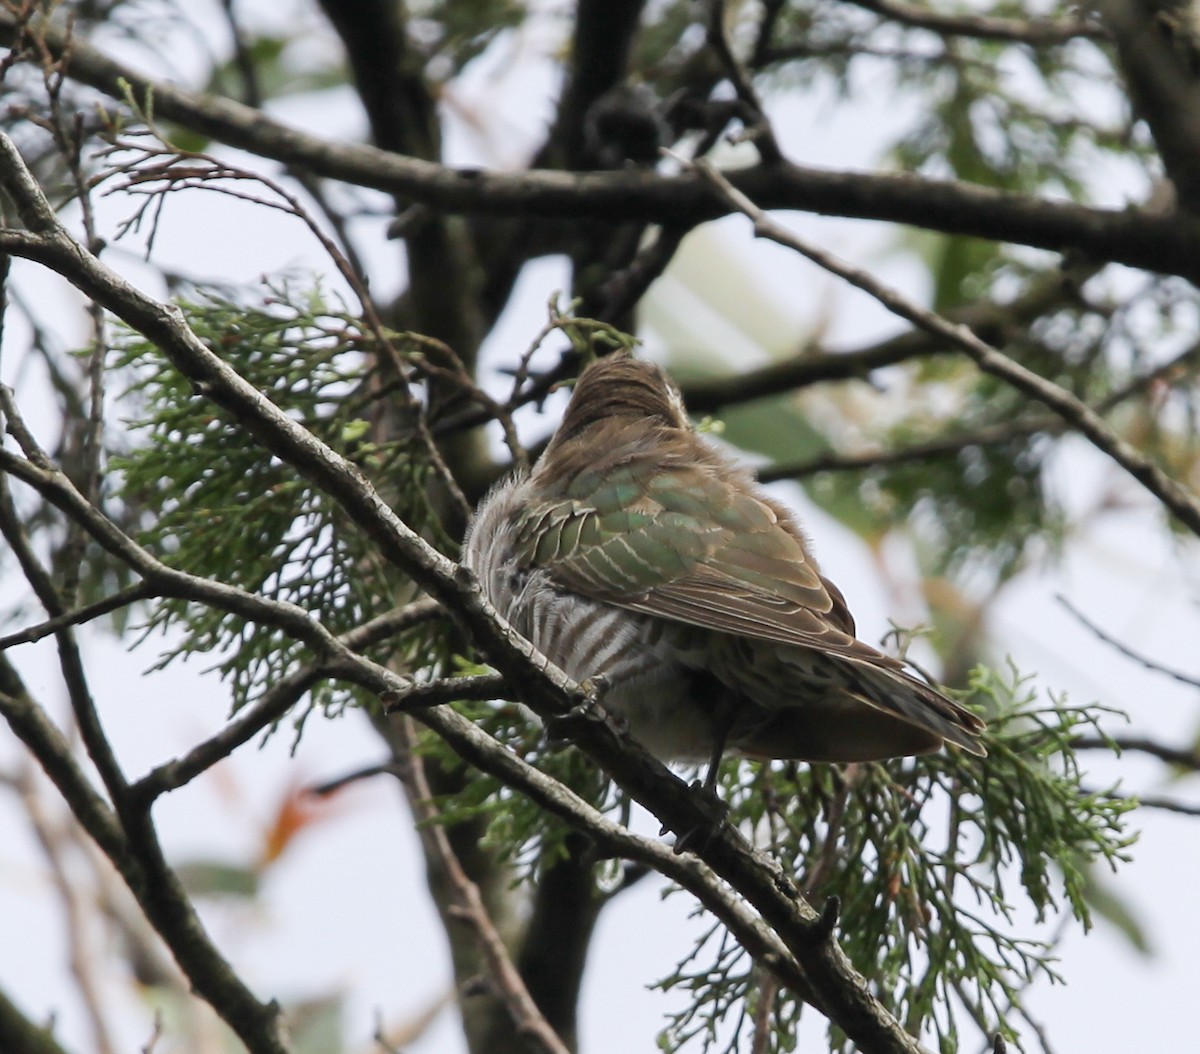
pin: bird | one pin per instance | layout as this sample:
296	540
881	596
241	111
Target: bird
638	555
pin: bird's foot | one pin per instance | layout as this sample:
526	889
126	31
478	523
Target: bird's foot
716	815
560	729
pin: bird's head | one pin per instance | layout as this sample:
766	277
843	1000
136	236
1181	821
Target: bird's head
618	386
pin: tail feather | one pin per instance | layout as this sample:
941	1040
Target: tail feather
898	693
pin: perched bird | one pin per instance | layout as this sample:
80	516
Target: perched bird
637	552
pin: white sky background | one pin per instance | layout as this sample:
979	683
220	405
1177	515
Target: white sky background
347	907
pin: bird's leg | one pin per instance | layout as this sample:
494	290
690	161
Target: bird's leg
722	726
706	791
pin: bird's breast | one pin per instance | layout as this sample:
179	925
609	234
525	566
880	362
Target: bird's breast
649	665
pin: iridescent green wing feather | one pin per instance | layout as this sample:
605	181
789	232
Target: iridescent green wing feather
682	542
686	539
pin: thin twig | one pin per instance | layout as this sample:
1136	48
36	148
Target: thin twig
992	321
1151	801
833	984
1181	502
332	786
766	996
990	435
835	813
243	57
467	903
136	853
758	128
623	289
205	172
460	378
273	704
68	135
948	446
75	914
1184	758
423	695
40	579
1126	650
483	752
127	596
1039	32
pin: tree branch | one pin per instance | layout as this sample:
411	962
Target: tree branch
481	751
1166	244
991	321
277	700
130	595
138	858
1036	32
1128	652
1159	47
1077	414
70	661
838	988
1150	801
758	128
19	1035
467	905
1186	758
948	446
166	581
989	435
51	839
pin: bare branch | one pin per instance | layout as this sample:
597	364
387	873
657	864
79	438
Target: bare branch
20	1035
277	700
1166	244
466	903
166	581
265	711
1159	50
476	747
991	321
949	446
758	128
423	695
134	850
1178	500
42	582
1185	758
1037	32
53	753
838	988
67	129
616	295
1151	801
75	916
1128	652
271	706
130	595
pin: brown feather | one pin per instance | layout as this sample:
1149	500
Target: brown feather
783	639
622	388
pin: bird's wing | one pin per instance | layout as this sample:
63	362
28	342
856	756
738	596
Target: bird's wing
685	543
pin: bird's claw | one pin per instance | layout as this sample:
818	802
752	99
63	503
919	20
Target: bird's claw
593	688
559	729
716	816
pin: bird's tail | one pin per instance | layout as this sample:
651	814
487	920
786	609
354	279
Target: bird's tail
900	694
